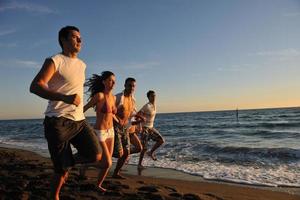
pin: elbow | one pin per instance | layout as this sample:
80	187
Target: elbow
85	108
32	88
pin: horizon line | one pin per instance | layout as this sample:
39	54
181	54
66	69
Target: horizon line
178	112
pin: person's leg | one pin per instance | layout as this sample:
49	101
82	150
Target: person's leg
87	145
58	132
155	135
117	147
57	182
105	164
110	142
135	141
106	161
142	154
144	149
126	151
120	163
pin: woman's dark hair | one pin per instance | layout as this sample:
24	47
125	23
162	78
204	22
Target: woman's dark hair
95	84
64	33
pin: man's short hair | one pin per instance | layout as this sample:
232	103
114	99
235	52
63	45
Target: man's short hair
150	92
130	79
64	33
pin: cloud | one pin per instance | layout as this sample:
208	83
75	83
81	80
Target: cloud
7	32
230	69
146	65
292	14
8	45
279	55
28	7
128	66
43	42
236	68
20	64
282	55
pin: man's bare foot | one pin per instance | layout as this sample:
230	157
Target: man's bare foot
151	156
118	176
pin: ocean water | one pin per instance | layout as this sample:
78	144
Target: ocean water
262	147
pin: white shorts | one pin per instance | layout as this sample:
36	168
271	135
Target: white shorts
102	135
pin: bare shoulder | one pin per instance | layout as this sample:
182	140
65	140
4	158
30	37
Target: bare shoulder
99	96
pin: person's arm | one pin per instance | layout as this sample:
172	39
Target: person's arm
39	86
115	110
141	114
90	104
138	119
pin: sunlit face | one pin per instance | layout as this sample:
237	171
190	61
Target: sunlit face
130	87
73	42
109	83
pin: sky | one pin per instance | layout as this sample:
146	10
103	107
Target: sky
198	55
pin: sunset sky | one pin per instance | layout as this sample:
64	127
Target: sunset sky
198	55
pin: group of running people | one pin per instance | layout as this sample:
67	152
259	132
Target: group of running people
118	125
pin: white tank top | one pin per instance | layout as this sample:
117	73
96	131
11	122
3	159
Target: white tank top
68	79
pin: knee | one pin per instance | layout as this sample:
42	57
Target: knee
125	153
90	159
162	141
139	148
107	164
66	174
98	157
143	149
62	175
121	153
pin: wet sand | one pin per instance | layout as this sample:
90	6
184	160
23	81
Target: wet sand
26	175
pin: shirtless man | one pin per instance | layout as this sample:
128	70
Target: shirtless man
126	109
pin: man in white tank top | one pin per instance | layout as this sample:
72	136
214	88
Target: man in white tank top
148	111
61	81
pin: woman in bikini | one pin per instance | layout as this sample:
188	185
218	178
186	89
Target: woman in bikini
103	101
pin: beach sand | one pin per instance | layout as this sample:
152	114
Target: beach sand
26	175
